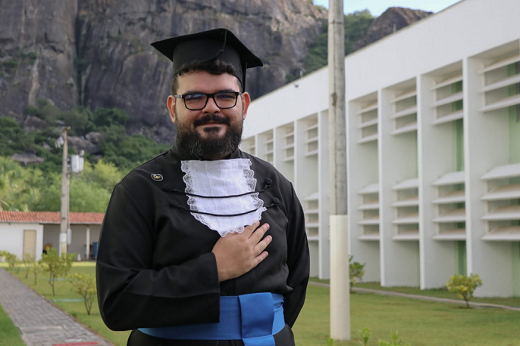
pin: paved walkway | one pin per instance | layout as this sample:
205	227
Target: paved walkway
40	322
419	297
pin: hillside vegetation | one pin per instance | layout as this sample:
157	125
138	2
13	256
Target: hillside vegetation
356	26
37	187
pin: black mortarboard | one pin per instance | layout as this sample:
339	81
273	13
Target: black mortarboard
209	45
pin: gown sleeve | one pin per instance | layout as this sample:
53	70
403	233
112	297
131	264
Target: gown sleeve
297	260
132	295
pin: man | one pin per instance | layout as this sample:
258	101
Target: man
204	244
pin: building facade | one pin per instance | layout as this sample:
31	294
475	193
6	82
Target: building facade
433	150
28	232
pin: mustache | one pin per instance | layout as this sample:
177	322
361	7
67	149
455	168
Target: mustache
211	118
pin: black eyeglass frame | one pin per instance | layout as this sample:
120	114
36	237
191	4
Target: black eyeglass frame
208	96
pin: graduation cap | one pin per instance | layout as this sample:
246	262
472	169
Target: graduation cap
210	45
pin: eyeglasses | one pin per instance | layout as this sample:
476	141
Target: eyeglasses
197	101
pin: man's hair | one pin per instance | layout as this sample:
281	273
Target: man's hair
215	67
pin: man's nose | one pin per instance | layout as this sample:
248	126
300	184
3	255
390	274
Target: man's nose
211	106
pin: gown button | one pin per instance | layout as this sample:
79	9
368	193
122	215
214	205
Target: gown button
268	181
276	201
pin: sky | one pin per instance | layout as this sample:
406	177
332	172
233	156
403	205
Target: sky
376	7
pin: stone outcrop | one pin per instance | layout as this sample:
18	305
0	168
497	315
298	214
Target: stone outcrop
27	158
80	143
390	21
93	137
33	123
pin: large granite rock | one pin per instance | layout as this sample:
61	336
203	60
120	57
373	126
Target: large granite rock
97	53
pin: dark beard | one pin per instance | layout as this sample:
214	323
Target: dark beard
190	141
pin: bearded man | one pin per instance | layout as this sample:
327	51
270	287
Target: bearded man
204	244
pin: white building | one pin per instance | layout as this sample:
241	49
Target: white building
433	132
28	232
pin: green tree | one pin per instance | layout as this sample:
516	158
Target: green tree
106	117
85	286
9	131
317	56
55	265
356	26
49	190
13	138
103	174
29	188
126	151
80	121
13	185
87	196
464	286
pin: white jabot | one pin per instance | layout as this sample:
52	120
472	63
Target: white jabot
222	178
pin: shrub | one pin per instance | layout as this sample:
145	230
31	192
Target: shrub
30	55
356	271
13	262
3	254
10	64
365	336
27	261
85	286
36	268
45	111
56	265
464	286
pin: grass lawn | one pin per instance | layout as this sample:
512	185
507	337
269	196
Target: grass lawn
10	336
419	323
439	293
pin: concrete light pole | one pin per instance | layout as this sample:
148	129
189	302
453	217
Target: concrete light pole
339	263
76	166
64	192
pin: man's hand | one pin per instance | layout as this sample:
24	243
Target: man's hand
237	254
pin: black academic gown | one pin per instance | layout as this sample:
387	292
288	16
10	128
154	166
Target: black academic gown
155	267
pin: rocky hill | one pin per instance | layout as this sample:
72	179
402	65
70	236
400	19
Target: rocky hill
393	19
97	53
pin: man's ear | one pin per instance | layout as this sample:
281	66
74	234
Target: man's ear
171	107
246	100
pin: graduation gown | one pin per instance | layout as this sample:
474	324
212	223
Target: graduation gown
155	267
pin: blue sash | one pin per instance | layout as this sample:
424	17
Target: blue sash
252	318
